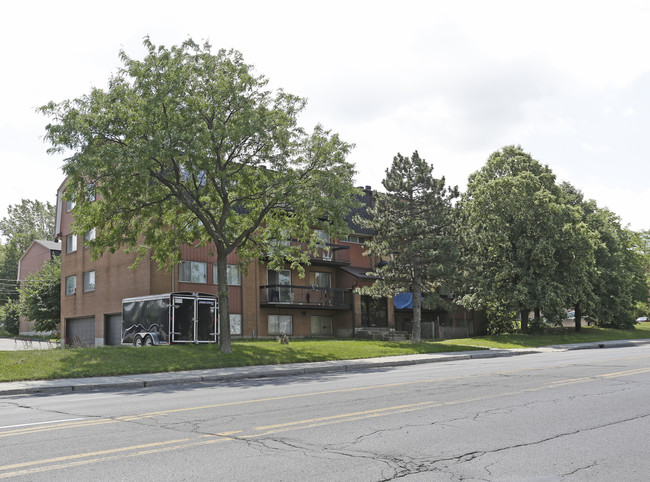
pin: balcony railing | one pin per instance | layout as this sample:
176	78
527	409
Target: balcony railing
306	297
331	254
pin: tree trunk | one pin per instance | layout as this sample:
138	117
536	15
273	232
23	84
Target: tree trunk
417	310
524	320
538	314
578	317
224	307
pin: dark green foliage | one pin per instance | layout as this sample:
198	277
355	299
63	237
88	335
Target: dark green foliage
537	246
621	282
641	245
40	296
512	224
537	326
10	317
414	222
501	320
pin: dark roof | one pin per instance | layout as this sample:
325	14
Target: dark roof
358	272
361	211
51	245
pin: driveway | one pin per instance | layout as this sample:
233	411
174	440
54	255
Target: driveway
11	344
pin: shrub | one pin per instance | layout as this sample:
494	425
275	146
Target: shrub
40	296
500	320
10	317
536	326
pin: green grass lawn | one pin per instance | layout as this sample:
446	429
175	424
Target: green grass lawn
556	336
125	360
88	362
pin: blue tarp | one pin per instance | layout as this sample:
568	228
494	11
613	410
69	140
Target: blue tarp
403	301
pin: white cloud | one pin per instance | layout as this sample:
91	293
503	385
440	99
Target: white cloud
627	202
454	80
599	148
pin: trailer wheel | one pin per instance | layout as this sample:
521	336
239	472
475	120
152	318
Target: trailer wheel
148	340
137	341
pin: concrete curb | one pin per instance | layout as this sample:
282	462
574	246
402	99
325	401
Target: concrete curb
270	371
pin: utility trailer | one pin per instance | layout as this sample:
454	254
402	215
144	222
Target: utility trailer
170	318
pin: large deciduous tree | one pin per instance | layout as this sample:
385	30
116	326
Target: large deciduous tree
577	269
414	224
620	282
190	147
512	220
601	266
641	245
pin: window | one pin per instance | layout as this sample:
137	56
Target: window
193	272
283	239
235	323
354	238
279	244
70	285
321	325
70	243
279	286
69	205
373	311
321	279
323	241
90	235
322	236
233	275
89	281
280	325
90	192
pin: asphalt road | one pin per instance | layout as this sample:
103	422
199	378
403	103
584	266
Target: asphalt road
577	415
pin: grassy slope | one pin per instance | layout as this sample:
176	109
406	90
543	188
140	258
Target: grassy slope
83	362
557	337
51	364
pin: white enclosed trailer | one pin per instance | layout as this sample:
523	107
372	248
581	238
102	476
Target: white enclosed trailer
170	318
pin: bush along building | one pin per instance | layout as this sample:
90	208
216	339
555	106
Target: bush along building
35	256
263	302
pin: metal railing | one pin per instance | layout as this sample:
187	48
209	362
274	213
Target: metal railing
306	296
328	253
332	253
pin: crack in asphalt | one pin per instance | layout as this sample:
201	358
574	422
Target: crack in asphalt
44	410
394	466
586	467
468	457
400	467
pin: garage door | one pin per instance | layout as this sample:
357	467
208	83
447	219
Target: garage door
80	331
113	330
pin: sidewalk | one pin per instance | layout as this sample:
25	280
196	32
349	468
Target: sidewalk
265	371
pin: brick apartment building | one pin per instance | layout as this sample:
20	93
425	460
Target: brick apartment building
263	302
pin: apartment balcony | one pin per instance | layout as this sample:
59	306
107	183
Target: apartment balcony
331	254
312	297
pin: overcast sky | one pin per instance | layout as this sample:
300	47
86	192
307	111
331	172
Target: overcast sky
567	80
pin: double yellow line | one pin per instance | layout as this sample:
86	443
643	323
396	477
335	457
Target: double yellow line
64	462
69	461
129	418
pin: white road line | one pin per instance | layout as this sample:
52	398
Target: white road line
42	423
